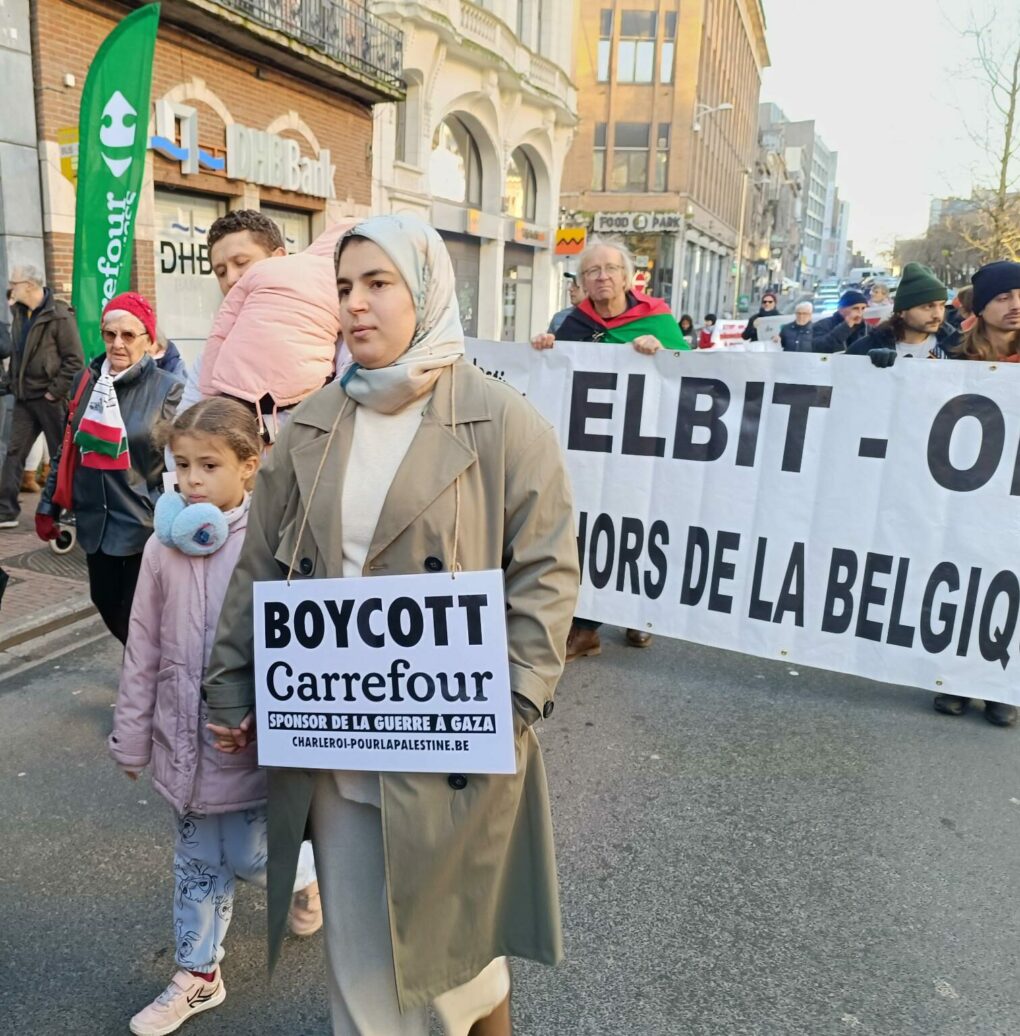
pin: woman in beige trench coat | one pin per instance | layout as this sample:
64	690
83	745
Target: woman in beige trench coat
414	462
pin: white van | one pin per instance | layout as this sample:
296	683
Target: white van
860	274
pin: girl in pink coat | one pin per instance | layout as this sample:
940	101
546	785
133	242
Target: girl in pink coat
160	721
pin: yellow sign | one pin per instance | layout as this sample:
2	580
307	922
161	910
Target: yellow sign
570	240
474	221
67	140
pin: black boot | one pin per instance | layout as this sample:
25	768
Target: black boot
950	704
999	713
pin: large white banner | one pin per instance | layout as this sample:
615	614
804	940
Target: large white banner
806	507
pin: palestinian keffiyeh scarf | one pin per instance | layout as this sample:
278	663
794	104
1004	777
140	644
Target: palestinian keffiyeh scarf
101	436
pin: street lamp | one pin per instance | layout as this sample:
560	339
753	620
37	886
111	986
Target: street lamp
701	110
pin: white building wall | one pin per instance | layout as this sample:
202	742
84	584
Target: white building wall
465	60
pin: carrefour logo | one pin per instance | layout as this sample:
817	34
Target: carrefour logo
117	127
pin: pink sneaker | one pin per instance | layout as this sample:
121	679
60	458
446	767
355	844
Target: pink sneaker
305	917
186	995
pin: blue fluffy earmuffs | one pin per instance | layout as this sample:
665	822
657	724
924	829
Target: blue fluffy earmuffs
194	529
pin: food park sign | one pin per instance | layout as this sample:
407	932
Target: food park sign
255	156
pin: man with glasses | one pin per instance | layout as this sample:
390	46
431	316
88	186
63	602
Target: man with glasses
45	356
768	308
612	311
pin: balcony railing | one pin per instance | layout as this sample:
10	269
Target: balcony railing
343	31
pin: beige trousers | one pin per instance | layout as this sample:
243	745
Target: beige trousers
347	837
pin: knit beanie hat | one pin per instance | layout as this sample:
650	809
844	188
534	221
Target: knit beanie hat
852	298
918	285
133	303
992	280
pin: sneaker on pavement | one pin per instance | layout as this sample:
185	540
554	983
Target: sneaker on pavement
582	642
9	523
305	917
999	713
187	995
950	704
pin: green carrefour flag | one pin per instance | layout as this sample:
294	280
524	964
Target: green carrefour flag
112	132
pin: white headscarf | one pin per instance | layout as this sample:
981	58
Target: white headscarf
421	258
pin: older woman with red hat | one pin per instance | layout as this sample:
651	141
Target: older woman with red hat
108	472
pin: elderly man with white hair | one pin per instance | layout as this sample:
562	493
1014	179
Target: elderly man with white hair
46	354
612	311
796	337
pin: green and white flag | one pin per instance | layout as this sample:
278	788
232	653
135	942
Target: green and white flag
111	163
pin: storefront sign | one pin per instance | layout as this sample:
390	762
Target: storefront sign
253	155
273	161
638	222
528	234
570	240
390	673
67	141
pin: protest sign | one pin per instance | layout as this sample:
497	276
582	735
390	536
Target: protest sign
768	327
391	673
811	508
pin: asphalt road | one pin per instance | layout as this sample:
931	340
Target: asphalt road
743	848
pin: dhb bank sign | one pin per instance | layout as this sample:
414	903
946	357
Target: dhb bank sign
255	156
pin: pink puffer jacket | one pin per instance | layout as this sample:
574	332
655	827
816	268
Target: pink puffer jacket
276	331
160	716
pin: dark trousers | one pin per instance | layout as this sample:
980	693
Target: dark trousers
30	417
587	624
112	582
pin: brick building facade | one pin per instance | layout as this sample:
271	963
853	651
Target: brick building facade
215	69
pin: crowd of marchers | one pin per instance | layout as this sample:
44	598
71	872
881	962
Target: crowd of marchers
331	427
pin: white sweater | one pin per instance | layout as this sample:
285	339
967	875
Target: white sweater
378	448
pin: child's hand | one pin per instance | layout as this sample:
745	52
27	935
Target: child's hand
234	739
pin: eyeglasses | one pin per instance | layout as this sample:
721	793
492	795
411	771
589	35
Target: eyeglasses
611	270
768	302
127	337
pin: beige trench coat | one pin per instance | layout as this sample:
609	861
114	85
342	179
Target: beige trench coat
471	870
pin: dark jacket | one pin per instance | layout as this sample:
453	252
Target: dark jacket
834	335
947	338
5	353
113	509
750	333
173	363
47	350
796	338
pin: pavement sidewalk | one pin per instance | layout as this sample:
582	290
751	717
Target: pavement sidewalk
46	590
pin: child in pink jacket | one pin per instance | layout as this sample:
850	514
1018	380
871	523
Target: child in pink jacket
160	721
276	338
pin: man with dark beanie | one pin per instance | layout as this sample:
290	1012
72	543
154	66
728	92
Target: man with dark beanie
836	333
996	304
917	327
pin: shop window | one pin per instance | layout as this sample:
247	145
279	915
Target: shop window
455	166
635	53
662	157
521	187
605	44
598	169
630	157
295	225
667	54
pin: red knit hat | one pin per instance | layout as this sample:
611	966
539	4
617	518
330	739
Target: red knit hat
133	303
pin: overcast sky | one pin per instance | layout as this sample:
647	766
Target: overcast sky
888	85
